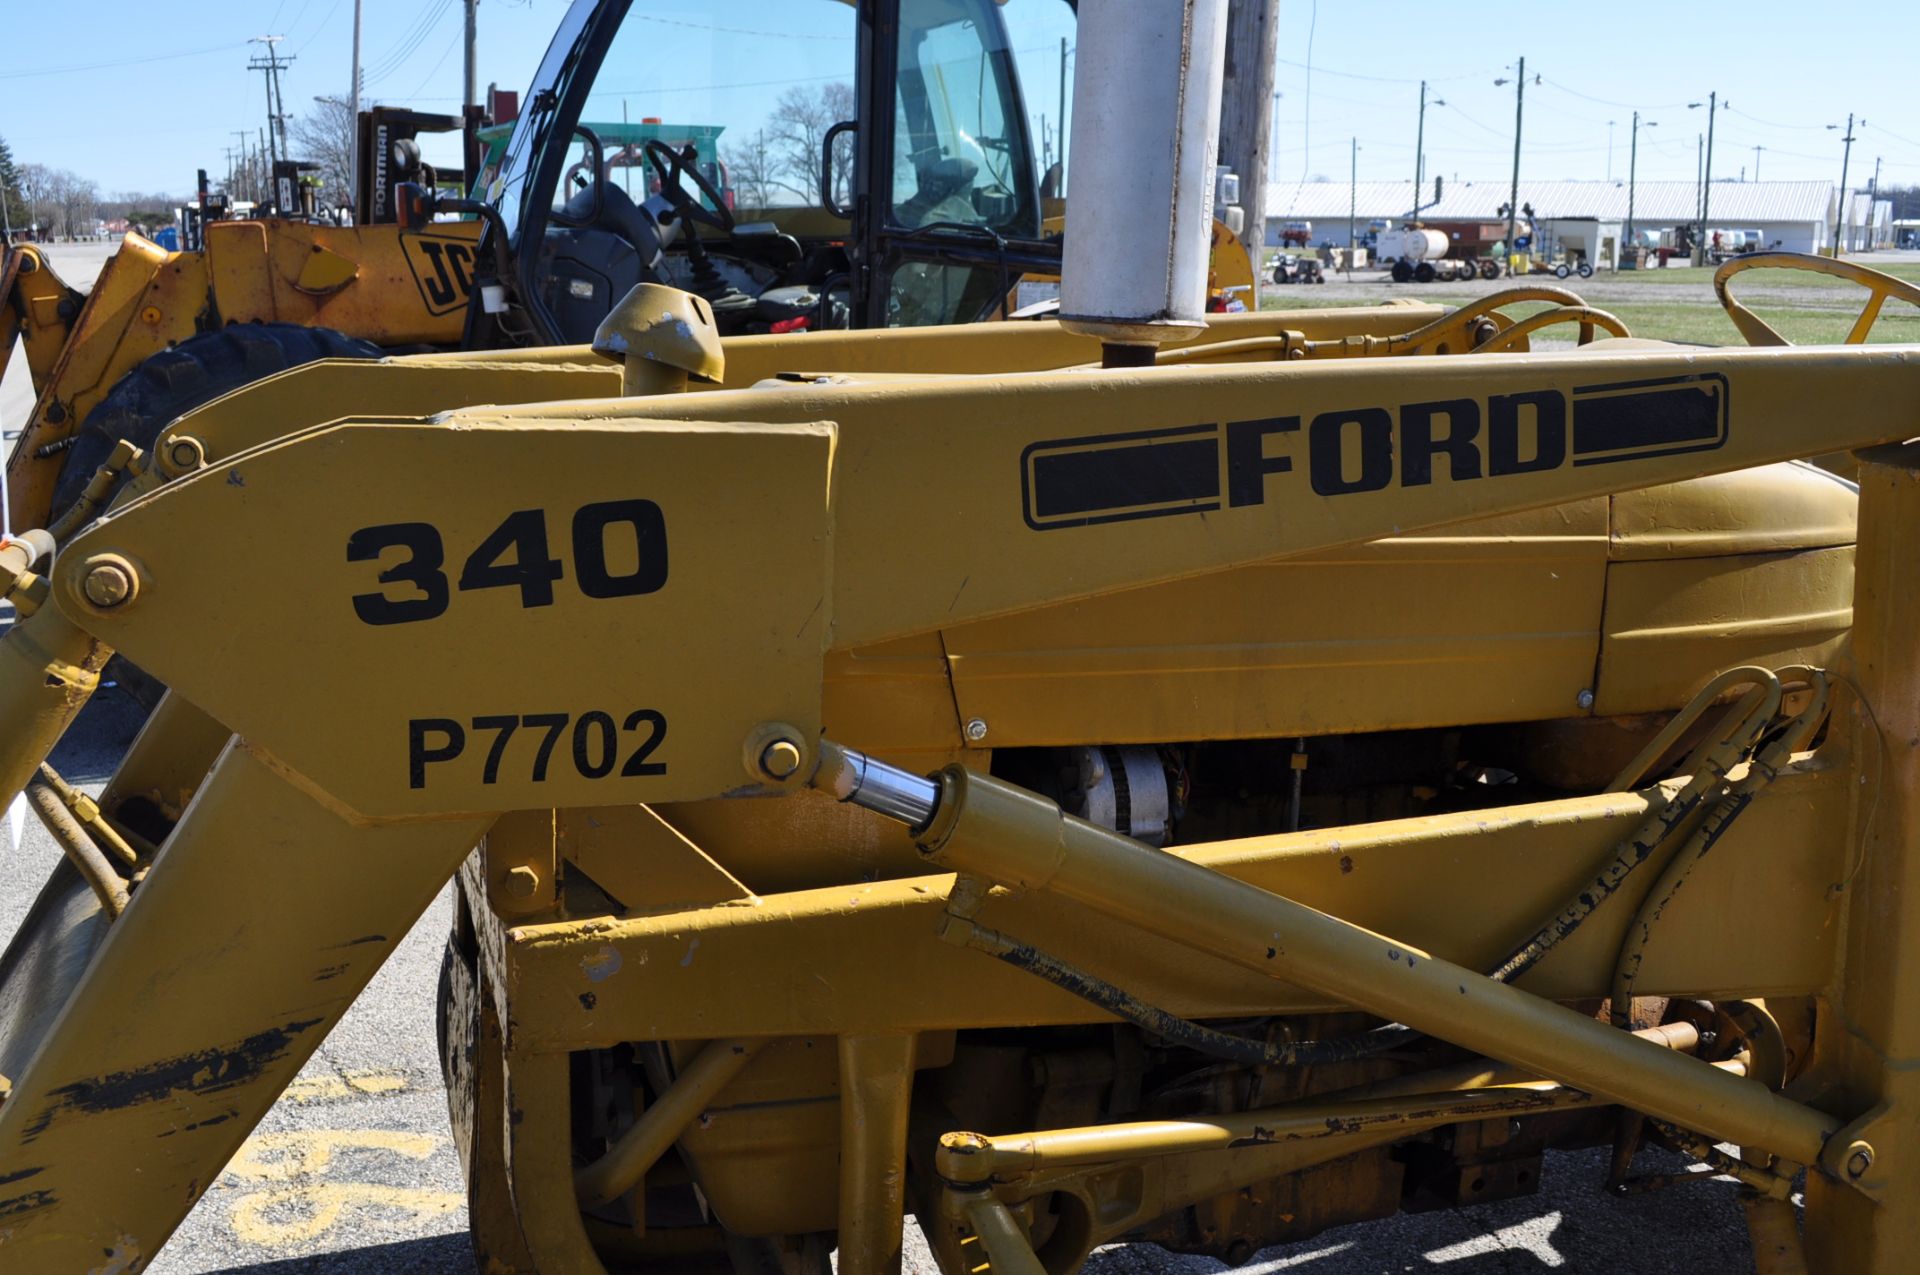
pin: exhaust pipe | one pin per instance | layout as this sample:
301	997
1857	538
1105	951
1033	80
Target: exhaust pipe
1146	125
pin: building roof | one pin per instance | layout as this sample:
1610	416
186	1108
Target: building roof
1654	201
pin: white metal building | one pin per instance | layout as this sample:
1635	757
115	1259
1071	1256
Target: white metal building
1793	216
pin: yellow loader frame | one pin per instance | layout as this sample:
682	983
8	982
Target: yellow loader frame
380	283
782	530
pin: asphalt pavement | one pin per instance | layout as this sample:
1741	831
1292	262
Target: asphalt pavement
353	1171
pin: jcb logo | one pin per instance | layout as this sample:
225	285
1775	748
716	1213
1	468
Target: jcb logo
442	268
1077	482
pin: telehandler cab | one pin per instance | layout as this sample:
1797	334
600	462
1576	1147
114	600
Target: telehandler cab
1062	781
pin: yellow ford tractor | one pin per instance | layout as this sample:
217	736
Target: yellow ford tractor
1139	776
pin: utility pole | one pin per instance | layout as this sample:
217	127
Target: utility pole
1353	206
1873	197
1633	172
1245	99
1419	150
237	180
1846	156
1513	201
473	27
1062	118
1273	135
353	109
1609	150
272	63
1756	162
1706	185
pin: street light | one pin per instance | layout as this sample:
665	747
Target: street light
1519	113
1420	146
1633	168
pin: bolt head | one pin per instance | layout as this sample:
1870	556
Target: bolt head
108	584
521	882
780	759
185	453
977	729
1584	699
1859	1160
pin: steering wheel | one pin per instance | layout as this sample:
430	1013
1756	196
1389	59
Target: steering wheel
1758	331
671	166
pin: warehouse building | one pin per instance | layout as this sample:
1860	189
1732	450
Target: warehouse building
1583	218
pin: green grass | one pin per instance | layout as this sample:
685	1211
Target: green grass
1693	315
1681	276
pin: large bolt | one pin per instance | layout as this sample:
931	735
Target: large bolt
109	582
780	759
977	729
522	882
1859	1159
185	454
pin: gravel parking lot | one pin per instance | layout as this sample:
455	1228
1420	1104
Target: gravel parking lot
353	1171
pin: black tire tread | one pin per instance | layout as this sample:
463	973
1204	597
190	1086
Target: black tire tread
197	371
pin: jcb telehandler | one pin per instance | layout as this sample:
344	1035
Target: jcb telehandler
1062	781
886	177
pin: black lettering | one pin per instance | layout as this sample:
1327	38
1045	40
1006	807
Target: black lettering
649	526
1247	461
460	262
1503	432
1326	462
638	765
532	570
439	287
555	723
1416	432
421	568
419	756
583	745
505	727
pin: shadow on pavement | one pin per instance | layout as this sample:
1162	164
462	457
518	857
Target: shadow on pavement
450	1254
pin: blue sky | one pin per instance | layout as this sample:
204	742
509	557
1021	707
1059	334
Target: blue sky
136	97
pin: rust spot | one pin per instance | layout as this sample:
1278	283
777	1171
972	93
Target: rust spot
1346	863
206	1071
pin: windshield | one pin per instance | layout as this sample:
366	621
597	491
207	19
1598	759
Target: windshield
507	188
961	149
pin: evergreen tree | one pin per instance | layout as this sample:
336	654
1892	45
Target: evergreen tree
16	204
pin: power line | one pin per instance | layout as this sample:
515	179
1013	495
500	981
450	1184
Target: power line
103	66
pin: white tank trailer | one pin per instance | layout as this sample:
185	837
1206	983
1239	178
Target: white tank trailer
1420	256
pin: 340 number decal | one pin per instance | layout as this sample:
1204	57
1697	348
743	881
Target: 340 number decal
514	556
598	744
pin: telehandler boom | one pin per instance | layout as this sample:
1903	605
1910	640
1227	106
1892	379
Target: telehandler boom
1062	781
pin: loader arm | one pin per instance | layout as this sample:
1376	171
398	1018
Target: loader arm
629	601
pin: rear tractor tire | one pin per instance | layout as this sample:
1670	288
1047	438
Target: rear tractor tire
194	372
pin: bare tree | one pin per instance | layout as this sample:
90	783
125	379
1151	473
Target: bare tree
36	187
77	197
751	163
796	130
324	136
